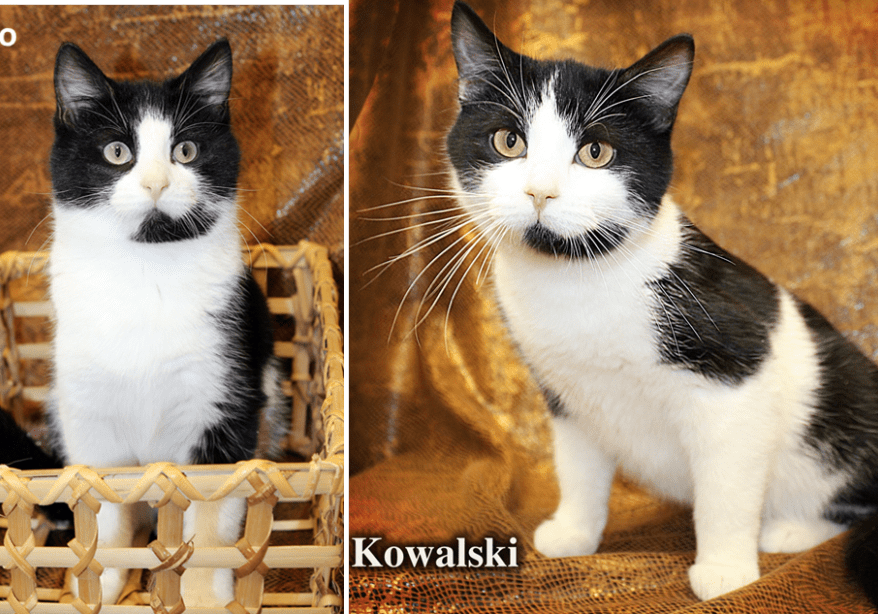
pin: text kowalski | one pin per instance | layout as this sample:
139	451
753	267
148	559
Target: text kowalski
462	554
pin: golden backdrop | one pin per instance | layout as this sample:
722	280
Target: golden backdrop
775	144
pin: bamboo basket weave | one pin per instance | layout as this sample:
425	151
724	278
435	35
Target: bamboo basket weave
315	386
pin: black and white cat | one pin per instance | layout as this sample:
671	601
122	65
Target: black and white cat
659	353
163	346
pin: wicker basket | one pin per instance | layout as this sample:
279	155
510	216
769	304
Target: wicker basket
312	342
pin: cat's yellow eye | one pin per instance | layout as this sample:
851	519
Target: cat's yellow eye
117	153
595	154
508	143
185	151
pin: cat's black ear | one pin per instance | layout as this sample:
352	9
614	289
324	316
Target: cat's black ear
210	76
79	83
661	76
477	51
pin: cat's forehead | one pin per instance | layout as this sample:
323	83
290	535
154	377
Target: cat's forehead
154	132
571	86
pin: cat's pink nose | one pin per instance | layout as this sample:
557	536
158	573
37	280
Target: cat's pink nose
540	197
155	182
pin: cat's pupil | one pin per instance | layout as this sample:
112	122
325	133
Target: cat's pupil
511	139
595	151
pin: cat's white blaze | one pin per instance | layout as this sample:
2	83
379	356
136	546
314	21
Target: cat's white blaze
155	180
581	197
589	336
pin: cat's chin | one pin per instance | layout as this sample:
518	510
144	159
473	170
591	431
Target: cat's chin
589	244
160	227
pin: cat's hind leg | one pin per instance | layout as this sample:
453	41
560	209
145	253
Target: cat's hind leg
796	535
585	475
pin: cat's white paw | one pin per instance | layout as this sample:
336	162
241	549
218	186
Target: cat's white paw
112	582
203	588
560	536
785	535
709	580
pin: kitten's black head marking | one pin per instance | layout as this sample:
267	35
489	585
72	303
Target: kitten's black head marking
632	109
94	110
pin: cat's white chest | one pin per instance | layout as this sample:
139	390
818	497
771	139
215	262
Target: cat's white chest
587	333
138	353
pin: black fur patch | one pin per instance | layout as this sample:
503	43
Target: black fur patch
159	227
714	312
553	401
844	426
593	244
247	323
861	557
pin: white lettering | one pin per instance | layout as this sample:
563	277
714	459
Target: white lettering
513	552
394	552
419	555
360	552
7	37
446	557
488	554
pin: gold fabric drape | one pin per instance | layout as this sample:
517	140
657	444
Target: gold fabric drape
774	159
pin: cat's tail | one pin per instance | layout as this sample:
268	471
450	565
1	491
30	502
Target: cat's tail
861	557
18	450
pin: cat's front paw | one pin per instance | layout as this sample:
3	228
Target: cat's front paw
208	588
710	580
559	537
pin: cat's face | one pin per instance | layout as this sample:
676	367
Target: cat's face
153	162
561	157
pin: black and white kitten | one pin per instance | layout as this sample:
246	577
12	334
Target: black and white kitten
659	353
163	346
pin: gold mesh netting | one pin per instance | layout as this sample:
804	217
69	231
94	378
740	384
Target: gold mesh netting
287	105
774	145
